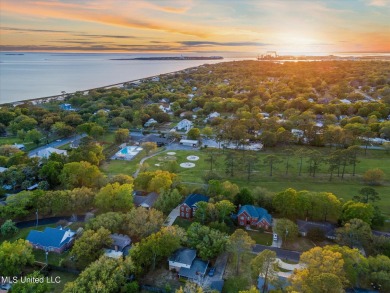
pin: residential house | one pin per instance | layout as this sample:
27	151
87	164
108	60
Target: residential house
120	246
186	114
67	107
145	201
19	146
184	125
254	216
213	115
166	108
75	143
52	239
150	122
188	207
120	241
297	133
185	263
45	153
197	109
327	228
160	141
2	169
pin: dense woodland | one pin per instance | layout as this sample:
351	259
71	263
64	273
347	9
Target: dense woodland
342	107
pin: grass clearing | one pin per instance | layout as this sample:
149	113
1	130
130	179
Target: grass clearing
64	277
115	167
261	237
185	224
53	258
343	188
301	244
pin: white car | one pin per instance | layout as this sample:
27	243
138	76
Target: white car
275	237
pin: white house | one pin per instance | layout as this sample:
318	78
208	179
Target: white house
297	132
150	122
184	125
45	153
19	146
2	169
213	115
165	108
345	101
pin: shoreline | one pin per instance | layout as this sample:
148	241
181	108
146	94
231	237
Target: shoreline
62	97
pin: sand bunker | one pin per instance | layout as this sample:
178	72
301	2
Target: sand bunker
187	165
171	153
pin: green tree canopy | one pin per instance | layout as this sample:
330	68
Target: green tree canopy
115	197
89	247
105	275
14	256
239	242
79	174
208	242
141	222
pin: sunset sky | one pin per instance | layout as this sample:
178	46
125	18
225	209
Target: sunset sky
195	26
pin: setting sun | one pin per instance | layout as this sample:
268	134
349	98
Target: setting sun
187	26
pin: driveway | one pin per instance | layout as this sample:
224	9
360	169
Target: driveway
283	254
276	243
172	216
220	266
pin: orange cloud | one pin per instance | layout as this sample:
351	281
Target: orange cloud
98	15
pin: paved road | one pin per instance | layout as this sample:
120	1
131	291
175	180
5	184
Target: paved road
280	253
55	144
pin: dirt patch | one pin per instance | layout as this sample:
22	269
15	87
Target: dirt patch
162	278
300	244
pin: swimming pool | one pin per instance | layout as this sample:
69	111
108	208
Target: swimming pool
127	153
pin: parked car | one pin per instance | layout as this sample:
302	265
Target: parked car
211	272
275	237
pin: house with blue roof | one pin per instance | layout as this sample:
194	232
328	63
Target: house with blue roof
250	215
52	239
187	265
188	207
67	107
